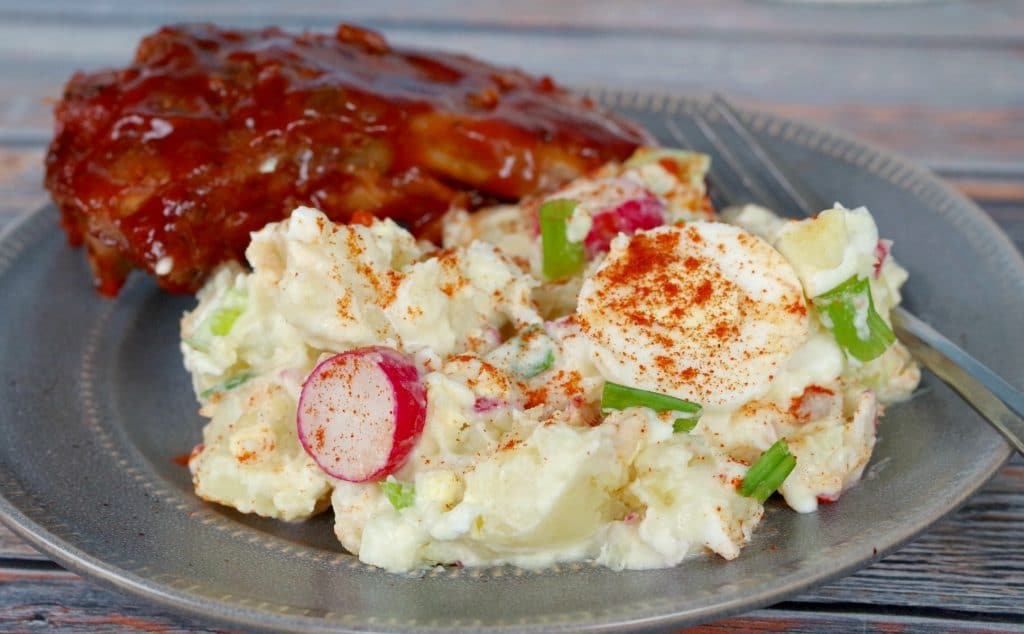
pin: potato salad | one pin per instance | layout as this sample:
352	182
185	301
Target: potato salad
613	373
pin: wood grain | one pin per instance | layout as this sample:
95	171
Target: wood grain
46	599
999	22
786	619
13	547
894	92
57	600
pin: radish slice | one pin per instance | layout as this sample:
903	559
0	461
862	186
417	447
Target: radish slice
361	413
629	217
882	250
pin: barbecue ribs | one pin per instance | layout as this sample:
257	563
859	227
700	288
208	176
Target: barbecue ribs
168	164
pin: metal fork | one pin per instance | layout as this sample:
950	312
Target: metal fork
771	183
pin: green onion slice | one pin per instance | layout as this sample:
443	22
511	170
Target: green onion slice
400	494
223	319
766	475
226	386
220	321
561	257
849	312
535	352
535	365
615	396
684	425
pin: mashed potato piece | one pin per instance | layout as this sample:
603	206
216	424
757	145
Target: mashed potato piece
517	461
251	458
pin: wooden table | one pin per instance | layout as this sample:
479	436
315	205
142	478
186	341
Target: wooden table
941	82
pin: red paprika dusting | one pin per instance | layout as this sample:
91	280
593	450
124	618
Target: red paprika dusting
671	167
798	307
798	405
723	330
668	301
361	217
646	277
512	443
703	292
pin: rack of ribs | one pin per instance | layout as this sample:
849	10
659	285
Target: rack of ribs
168	164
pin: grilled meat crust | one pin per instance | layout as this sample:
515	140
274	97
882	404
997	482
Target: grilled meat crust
168	164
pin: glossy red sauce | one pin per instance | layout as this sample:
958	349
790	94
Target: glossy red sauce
211	133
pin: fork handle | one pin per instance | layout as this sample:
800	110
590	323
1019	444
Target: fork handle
994	398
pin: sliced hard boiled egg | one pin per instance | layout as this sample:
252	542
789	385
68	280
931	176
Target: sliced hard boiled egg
705	313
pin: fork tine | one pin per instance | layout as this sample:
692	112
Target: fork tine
754	191
722	191
794	192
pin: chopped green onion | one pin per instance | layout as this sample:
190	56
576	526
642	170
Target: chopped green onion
227	385
561	257
223	319
849	312
400	494
615	396
220	321
535	353
684	425
532	369
766	475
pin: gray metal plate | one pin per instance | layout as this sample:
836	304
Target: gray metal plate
95	405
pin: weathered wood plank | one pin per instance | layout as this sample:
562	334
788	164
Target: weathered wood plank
894	94
13	547
806	72
57	600
21	174
957	23
784	619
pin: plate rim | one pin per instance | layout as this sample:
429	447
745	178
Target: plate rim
112	576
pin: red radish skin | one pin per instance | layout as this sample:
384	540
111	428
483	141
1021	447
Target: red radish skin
882	250
361	413
487	404
629	217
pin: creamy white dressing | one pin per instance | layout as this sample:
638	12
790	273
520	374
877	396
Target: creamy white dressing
830	248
